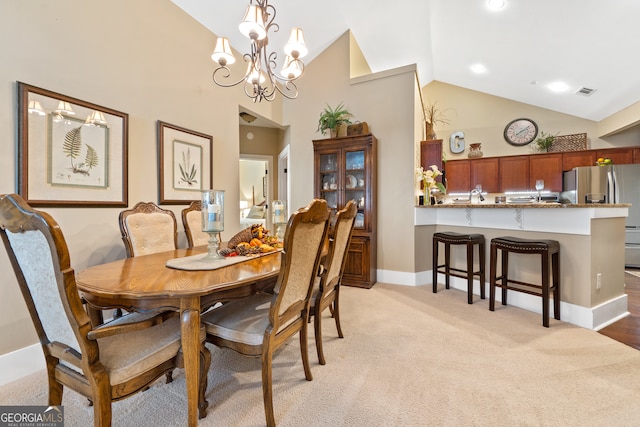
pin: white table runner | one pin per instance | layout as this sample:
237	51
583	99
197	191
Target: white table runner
195	262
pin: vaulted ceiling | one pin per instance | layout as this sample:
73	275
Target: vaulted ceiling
524	47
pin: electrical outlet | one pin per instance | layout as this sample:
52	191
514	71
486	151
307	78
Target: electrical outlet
598	280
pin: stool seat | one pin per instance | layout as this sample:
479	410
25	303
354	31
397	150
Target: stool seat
549	251
449	238
517	244
458	238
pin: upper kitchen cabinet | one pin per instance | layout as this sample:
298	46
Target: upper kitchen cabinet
547	167
573	159
484	172
514	173
458	175
619	156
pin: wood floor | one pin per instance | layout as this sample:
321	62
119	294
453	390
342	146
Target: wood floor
627	330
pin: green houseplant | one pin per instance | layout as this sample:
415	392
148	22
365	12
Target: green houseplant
332	118
545	141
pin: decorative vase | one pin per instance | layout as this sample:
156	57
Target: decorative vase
430	132
333	132
475	150
426	196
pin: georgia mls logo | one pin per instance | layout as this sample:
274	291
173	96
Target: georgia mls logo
31	416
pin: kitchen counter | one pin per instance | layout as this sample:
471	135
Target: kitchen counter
592	250
488	205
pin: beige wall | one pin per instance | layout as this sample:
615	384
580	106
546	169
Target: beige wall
146	58
386	102
483	117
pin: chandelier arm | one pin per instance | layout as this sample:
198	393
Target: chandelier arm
290	86
272	16
225	76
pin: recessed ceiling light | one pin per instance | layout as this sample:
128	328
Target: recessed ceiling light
558	86
495	4
478	68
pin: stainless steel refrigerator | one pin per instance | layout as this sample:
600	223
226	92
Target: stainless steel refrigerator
609	184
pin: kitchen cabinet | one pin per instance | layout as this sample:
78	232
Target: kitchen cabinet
513	173
345	169
519	173
573	159
458	175
484	172
547	167
431	153
619	156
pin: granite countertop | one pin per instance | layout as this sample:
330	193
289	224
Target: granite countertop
528	205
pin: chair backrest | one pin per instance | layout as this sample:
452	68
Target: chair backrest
306	231
339	239
147	228
40	259
192	222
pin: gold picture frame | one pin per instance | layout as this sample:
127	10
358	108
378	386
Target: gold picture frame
184	164
70	152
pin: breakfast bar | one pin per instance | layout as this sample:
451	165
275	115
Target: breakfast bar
591	240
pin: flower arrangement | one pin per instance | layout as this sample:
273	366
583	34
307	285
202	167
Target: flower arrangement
428	179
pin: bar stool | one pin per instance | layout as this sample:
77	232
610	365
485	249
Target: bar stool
548	250
470	240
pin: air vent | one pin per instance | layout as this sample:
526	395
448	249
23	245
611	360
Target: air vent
585	91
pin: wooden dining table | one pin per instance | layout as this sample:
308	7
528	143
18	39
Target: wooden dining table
145	284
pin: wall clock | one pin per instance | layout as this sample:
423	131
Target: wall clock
456	142
520	132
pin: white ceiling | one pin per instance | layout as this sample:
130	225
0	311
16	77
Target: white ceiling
584	43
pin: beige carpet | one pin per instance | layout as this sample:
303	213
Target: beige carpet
409	358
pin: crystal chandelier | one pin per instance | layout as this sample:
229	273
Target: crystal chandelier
260	80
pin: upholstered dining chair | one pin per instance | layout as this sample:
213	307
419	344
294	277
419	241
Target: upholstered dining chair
327	292
147	228
260	324
106	363
192	222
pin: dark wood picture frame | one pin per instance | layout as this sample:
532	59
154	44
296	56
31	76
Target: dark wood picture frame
71	153
185	159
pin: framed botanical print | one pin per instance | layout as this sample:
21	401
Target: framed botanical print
184	164
71	152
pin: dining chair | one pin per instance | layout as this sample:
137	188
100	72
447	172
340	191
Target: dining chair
327	292
147	228
105	363
192	222
260	324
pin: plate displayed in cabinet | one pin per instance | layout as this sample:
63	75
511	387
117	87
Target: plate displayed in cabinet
352	182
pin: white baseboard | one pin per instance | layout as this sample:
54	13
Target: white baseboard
21	363
594	318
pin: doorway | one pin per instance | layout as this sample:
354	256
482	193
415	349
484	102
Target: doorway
255	189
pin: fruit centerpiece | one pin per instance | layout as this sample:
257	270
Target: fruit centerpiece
251	241
603	161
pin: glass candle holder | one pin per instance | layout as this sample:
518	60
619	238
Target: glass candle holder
279	217
213	221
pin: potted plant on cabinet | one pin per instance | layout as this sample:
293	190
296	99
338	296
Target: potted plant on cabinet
545	141
332	118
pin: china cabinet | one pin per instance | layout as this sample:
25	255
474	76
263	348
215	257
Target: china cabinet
345	169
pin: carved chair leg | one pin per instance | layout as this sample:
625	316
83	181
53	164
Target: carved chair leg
205	363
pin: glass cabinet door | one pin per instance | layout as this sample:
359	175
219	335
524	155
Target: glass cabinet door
329	179
355	187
